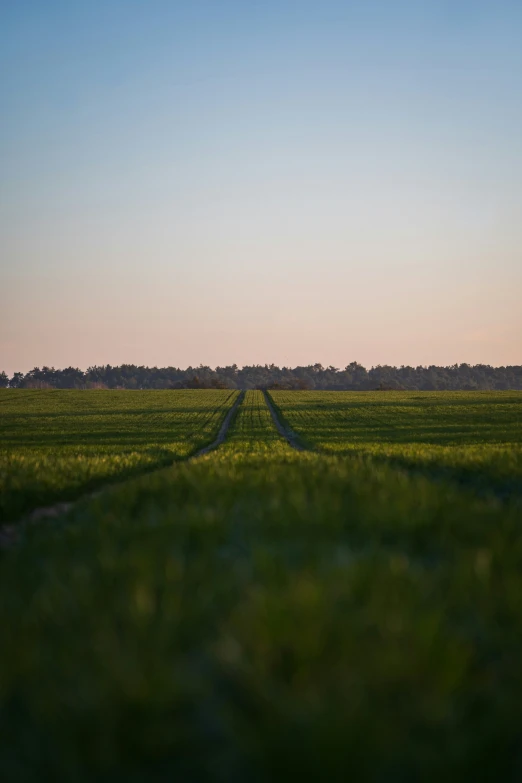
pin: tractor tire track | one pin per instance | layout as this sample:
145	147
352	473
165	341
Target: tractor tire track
289	435
227	421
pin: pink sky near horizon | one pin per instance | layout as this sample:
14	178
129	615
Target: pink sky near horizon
293	326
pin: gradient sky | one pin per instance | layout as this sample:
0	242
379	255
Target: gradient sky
242	181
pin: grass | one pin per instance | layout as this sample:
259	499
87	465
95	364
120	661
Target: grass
55	445
265	615
471	437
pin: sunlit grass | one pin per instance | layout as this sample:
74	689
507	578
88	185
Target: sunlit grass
54	445
473	437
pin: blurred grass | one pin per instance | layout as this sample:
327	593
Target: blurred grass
265	615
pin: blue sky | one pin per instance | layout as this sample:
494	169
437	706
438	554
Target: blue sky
247	182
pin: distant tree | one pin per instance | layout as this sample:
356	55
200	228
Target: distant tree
354	377
17	380
4	380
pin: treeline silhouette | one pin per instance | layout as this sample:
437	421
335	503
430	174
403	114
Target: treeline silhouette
353	377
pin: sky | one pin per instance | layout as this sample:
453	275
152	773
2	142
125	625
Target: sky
285	181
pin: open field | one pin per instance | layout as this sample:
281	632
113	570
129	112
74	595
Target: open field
263	614
470	437
54	445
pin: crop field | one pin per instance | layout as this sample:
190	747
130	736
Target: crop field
473	437
259	613
55	444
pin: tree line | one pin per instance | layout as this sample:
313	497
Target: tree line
354	377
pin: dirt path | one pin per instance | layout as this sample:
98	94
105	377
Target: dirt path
10	534
286	432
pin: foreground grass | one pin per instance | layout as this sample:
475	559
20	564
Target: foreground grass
265	615
55	445
471	437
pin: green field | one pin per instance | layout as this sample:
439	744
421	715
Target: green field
350	611
55	445
469	437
